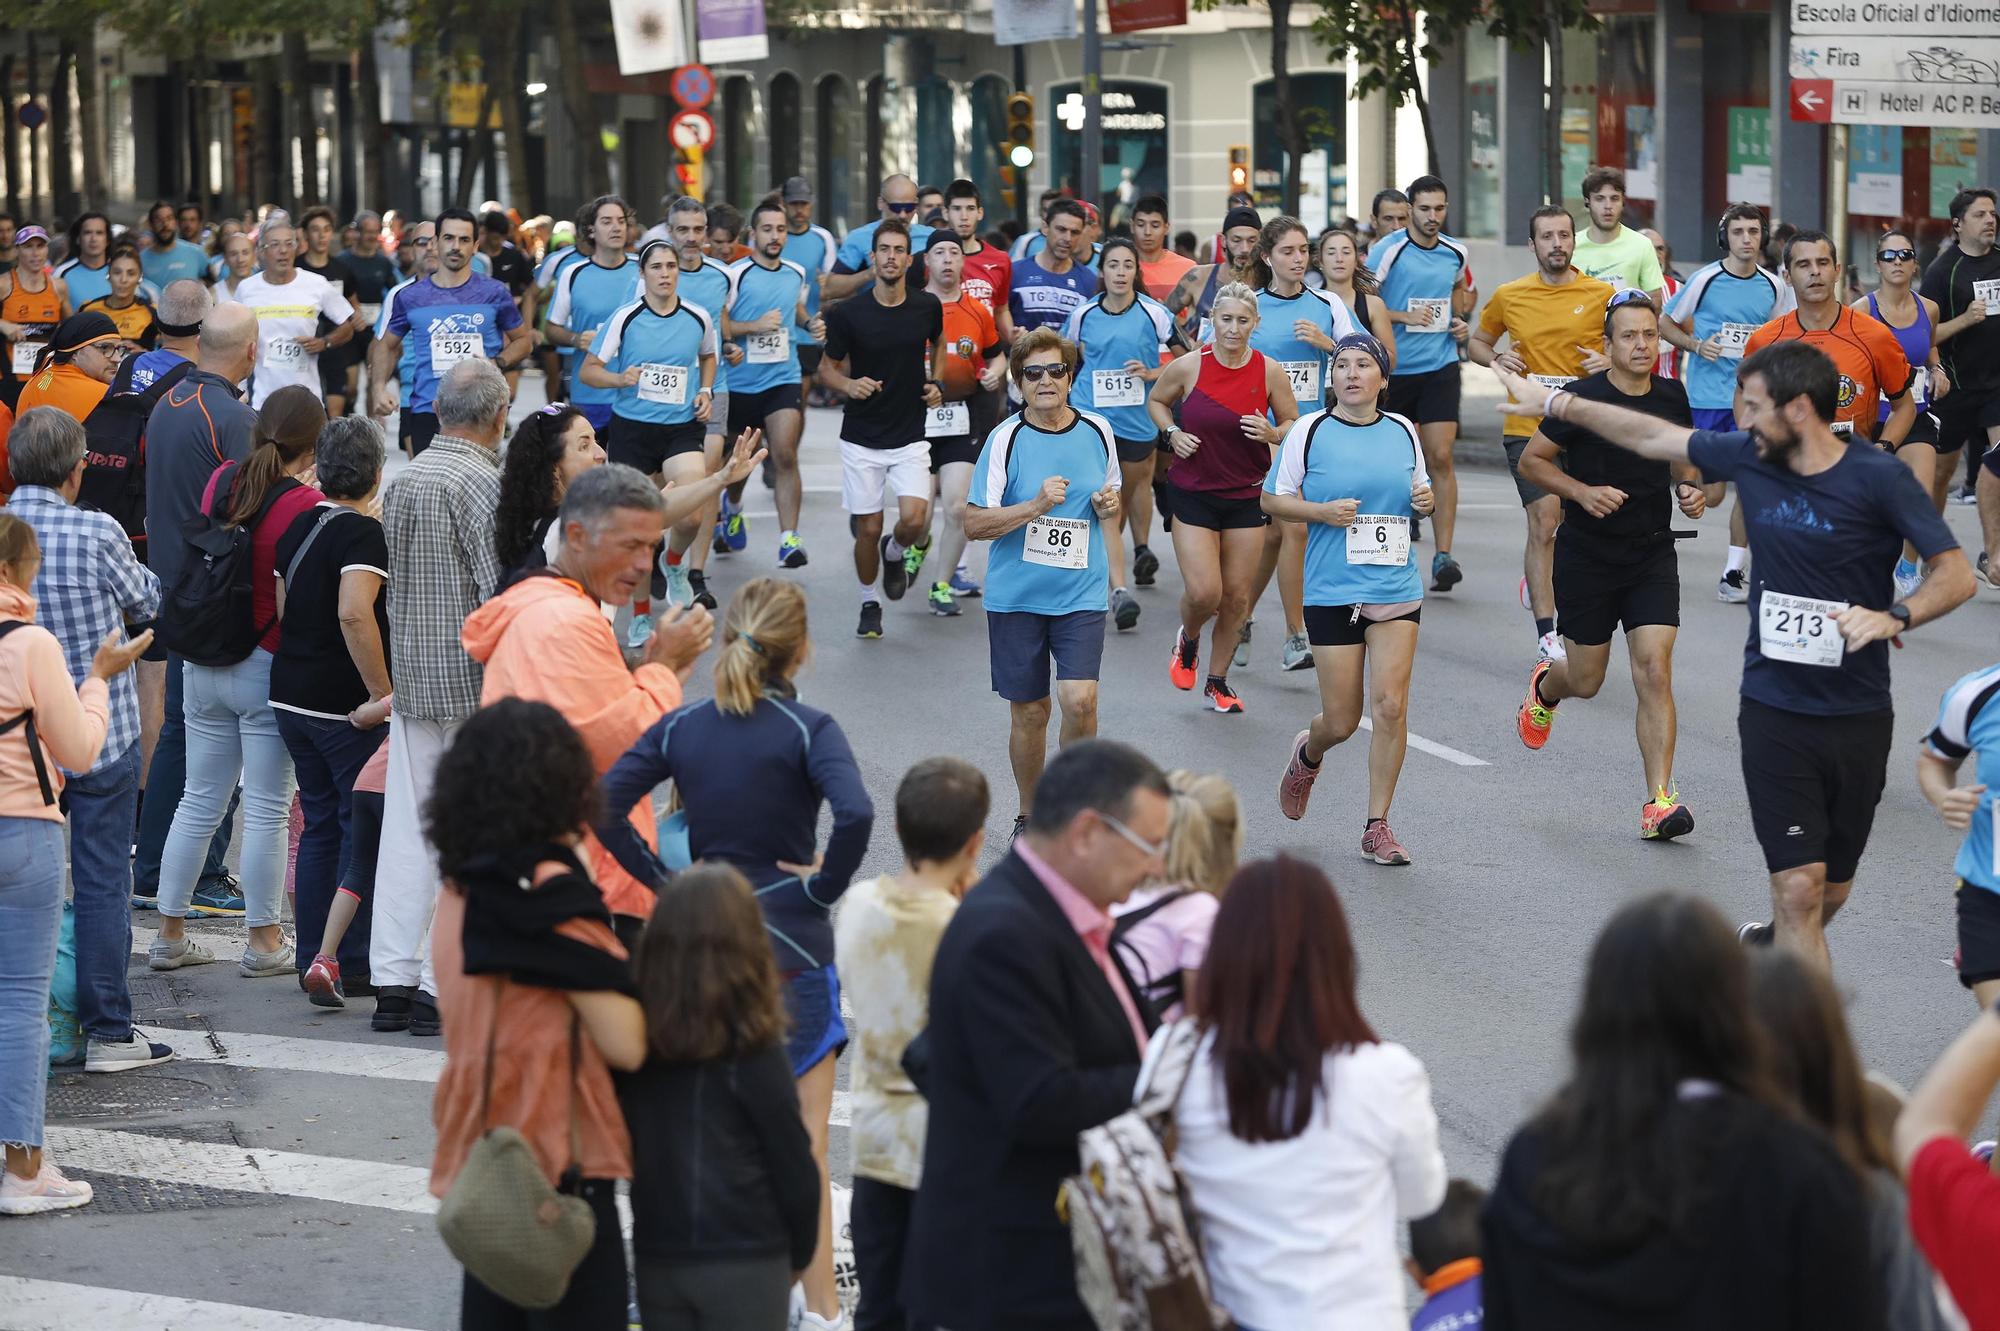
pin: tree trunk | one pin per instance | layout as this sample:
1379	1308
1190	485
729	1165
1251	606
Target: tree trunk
304	140
1552	147
368	121
89	117
194	104
1411	46
507	72
576	98
271	172
12	139
35	181
62	164
1291	130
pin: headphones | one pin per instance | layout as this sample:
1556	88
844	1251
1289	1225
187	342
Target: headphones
1722	227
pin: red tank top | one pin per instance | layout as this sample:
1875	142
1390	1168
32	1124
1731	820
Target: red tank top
1229	463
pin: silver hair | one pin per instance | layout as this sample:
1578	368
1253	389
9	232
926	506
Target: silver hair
45	446
348	458
185	302
687	203
366	215
594	496
472	393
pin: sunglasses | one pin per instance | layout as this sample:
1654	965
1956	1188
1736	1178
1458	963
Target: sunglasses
1034	374
1895	256
554	409
902	207
1629	296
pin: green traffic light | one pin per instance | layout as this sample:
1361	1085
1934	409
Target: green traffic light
1022	156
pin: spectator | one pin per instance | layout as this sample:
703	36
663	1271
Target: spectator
77	368
1667	1185
886	937
90	585
232	728
546	638
438	519
1033	1037
520	975
330	683
1161	931
549	450
51	724
200	423
1303	1136
752	767
725	1194
1954	1197
1814	1065
1444	1260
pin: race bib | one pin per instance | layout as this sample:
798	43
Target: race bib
1432	316
285	354
1117	388
371	314
1058	543
947	420
25	354
665	384
766	348
1988	291
1799	630
1304	375
1552	382
1378	538
1842	427
1732	338
449	348
1920	383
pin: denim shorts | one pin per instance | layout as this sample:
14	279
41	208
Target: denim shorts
812	1003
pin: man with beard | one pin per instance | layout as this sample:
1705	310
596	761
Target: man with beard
1827	521
1194	294
168	258
767	302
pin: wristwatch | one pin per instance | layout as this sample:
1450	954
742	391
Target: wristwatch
1901	612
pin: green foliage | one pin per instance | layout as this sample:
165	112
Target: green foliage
1391	39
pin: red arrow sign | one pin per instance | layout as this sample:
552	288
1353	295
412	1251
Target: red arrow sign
1812	100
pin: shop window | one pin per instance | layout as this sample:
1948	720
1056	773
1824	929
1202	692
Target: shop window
1320	103
1137	143
833	121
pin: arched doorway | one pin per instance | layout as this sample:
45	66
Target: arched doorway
739	143
784	123
835	150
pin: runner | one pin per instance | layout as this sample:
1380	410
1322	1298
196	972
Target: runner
587	293
875	358
1354	476
1036	239
32	302
87	270
812	248
289	305
1614	556
1712	319
374	273
507	265
1342	274
706	285
1036	242
1235	405
1050	286
1388	212
972	367
452	315
124	304
989	278
1194	297
1826	520
853	264
1122	336
1554	319
1964	283
421	243
1670	356
317	257
767	299
167	257
1424	274
1160	269
569	245
1912	318
1610	251
1966	721
1044	487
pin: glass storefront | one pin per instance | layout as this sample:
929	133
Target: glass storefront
1903	179
1476	211
1608	113
1736	111
1137	143
1320	103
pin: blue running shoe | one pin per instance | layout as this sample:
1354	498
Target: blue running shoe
962	584
218	897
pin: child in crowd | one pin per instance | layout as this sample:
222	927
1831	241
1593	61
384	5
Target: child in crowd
1160	933
1444	1261
725	1193
322	980
886	938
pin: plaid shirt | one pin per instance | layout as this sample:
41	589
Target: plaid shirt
438	516
90	583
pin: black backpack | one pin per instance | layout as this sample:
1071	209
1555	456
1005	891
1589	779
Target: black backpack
114	482
1154	993
25	722
206	617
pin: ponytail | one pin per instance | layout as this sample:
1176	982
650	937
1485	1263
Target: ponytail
288	429
1204	832
763	637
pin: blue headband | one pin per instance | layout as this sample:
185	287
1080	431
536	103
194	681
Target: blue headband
1362	342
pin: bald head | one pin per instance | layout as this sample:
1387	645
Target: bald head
228	341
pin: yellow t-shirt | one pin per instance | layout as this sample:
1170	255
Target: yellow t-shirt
1546	325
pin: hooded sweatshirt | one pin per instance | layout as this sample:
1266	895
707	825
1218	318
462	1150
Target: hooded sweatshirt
70	719
545	639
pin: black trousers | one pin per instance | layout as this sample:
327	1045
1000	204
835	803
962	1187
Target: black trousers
596	1299
880	1218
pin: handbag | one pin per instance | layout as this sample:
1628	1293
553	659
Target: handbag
518	1236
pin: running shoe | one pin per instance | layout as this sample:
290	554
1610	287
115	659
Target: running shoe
145	900
735	527
1665	818
1379	844
913	561
1221	697
1986	572
1732	590
1755	933
639	631
1966	495
1909	576
720	545
1298	653
679	590
1550	645
791	551
322	982
220	897
1124	609
1144	565
1295	787
47	1191
1180	666
962	583
1526	604
871	620
1535	717
1242	658
698	582
658	587
1445	574
281	960
170	955
942	601
895	573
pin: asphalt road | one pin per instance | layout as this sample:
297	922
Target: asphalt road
277	1171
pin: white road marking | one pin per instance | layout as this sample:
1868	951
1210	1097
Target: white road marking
1435	749
244	1168
53	1305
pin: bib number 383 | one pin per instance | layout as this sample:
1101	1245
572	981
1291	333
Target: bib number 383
1799	630
1378	538
1058	543
665	384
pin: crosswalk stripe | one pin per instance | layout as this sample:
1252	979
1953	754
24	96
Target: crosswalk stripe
244	1168
291	1053
52	1305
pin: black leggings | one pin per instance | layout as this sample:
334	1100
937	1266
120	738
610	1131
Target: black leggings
596	1300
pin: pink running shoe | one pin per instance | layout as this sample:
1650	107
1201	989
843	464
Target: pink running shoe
1379	844
1296	786
322	982
47	1191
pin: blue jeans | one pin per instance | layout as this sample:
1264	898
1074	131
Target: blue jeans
165	780
327	755
231	732
100	872
31	875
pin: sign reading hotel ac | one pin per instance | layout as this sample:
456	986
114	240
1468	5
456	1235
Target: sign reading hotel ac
1902	62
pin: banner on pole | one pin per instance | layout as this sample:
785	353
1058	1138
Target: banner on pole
1139	15
1018	22
732	30
650	35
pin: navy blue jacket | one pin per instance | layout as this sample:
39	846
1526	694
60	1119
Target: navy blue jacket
752	786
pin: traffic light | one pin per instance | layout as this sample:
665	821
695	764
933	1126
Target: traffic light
1021	130
1007	182
1239	169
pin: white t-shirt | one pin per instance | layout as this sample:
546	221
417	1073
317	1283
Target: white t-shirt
285	314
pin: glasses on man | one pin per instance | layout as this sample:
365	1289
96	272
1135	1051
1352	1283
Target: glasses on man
903	207
1139	843
1034	374
1895	256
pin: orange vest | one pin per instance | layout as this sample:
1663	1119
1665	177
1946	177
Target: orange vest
37	313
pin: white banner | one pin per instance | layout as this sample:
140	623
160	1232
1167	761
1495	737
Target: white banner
650	35
1017	22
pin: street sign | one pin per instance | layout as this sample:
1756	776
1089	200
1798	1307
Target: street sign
31	115
1891	19
691	129
1812	101
693	86
1896	62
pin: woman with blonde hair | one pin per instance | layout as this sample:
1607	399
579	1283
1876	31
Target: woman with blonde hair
1161	931
752	765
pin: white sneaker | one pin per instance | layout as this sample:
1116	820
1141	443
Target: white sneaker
47	1191
1551	647
125	1055
1732	589
812	1321
163	955
281	960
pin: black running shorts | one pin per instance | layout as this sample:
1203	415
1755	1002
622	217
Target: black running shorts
1595	596
1813	783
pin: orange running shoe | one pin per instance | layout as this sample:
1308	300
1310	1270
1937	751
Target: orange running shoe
1665	817
1221	697
1180	669
1535	717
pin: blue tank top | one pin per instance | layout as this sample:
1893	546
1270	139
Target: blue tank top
1916	340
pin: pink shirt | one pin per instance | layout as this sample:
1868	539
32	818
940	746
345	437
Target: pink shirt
1093	925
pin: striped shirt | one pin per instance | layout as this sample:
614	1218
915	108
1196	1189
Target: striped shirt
438	517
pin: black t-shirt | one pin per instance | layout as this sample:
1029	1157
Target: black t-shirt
1647	514
312	672
889	343
1972	355
512	268
373	273
334	271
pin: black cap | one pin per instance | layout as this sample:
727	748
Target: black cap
1241	217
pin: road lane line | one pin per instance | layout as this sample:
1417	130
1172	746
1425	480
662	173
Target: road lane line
323	1178
53	1305
1435	749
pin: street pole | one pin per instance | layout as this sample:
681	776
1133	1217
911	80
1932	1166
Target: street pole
1021	175
1090	182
